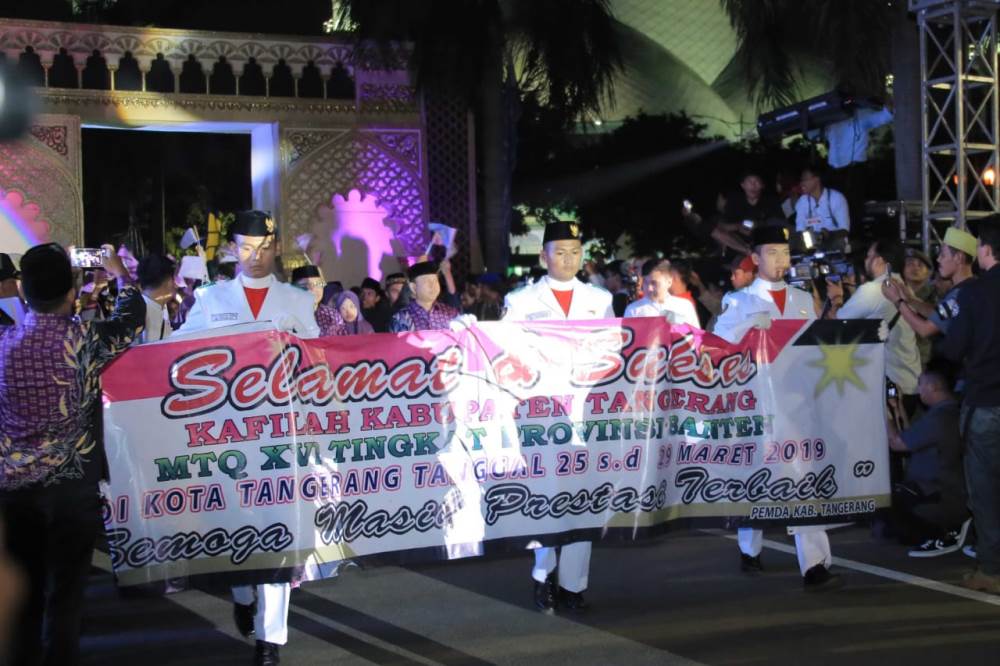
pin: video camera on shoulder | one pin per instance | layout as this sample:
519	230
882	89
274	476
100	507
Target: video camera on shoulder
818	257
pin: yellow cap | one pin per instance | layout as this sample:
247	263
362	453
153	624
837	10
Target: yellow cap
960	240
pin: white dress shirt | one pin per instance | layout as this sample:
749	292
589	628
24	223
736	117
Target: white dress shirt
14	308
829	213
157	321
902	358
677	310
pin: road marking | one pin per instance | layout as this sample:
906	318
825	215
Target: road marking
882	572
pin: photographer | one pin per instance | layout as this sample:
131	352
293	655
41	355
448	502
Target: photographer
52	457
902	361
820	208
929	505
955	261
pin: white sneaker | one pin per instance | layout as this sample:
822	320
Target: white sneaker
950	543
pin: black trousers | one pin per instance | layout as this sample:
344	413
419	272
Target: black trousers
50	534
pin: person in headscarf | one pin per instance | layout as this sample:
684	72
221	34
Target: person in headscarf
349	307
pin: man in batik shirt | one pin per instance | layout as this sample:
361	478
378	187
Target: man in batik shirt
424	312
51	453
329	320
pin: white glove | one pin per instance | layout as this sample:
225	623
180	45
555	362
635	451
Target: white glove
287	323
462	322
761	320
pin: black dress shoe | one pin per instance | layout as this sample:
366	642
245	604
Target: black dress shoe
266	654
243	617
819	578
750	565
545	595
572	601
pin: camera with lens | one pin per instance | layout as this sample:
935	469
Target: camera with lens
818	257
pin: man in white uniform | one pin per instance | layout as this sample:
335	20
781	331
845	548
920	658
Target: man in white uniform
256	295
769	297
559	295
658	301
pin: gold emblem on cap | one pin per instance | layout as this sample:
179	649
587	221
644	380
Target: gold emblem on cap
785	232
574	229
269	224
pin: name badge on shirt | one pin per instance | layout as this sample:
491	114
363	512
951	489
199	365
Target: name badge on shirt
814	222
225	316
538	315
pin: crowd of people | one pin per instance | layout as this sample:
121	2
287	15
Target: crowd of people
60	326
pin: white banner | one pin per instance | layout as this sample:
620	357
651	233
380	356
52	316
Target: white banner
260	456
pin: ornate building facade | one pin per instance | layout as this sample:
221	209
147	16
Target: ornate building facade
321	120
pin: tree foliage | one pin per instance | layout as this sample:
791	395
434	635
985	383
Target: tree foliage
561	51
851	37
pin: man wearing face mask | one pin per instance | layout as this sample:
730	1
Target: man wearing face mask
767	298
559	295
256	295
327	318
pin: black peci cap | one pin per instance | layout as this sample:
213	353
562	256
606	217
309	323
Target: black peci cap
770	233
7	268
557	231
253	223
46	273
423	268
304	272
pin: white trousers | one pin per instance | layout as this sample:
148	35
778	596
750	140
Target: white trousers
271	620
812	545
573	562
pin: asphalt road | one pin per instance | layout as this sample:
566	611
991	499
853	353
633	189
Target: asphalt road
677	600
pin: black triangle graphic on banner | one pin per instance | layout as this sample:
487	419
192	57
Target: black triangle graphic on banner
840	331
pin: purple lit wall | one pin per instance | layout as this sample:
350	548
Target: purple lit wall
40	186
364	232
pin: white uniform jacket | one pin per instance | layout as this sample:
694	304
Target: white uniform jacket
225	304
739	307
535	302
677	310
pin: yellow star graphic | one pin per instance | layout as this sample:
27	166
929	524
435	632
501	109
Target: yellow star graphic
838	365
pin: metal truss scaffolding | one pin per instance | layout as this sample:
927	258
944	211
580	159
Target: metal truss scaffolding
959	93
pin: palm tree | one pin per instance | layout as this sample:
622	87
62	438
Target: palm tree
858	41
491	52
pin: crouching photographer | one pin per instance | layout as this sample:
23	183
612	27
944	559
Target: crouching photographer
929	505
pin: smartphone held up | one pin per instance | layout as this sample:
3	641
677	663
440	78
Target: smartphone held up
87	257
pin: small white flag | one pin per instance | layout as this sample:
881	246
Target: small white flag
194	268
303	241
189	238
